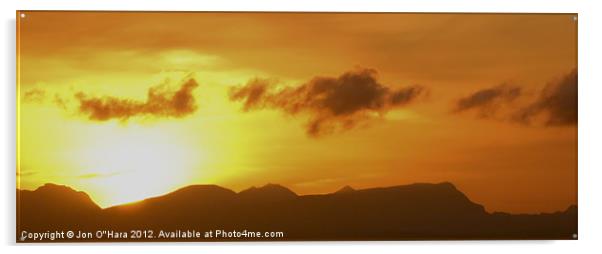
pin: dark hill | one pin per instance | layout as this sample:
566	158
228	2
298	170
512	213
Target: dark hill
182	198
407	212
55	206
345	189
267	193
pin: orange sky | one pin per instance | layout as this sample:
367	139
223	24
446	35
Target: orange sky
514	152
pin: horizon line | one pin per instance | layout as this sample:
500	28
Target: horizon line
298	195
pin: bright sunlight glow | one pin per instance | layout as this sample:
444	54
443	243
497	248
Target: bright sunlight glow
137	162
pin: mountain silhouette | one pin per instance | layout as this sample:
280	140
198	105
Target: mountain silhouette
345	189
267	193
55	206
420	211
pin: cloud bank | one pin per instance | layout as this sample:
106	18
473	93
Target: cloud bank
332	103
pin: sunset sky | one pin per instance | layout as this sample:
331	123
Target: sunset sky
125	106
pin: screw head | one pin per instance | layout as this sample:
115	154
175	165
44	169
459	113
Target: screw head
22	15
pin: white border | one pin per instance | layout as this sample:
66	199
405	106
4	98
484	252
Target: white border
589	122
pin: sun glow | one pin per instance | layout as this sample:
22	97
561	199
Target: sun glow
136	162
122	161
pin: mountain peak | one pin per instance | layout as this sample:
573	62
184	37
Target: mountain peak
196	192
345	189
62	190
447	184
50	193
572	209
51	187
268	192
442	186
202	188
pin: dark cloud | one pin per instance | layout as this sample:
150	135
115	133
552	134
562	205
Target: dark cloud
253	93
488	101
555	105
332	103
159	103
558	101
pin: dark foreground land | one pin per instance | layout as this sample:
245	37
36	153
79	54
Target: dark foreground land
199	212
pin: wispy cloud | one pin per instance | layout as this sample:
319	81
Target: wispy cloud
555	105
34	95
96	175
558	101
488	101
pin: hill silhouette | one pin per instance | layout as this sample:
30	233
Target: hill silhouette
345	189
267	193
420	211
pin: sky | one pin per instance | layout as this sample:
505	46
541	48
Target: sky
125	106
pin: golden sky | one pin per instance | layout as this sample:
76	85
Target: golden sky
128	105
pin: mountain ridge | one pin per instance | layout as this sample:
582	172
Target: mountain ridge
268	187
401	212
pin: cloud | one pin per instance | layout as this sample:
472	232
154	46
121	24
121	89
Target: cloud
96	175
159	103
555	105
488	101
60	101
34	95
38	95
558	101
253	93
27	173
332	103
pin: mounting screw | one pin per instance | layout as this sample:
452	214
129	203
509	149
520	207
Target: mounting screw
574	18
574	236
22	15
